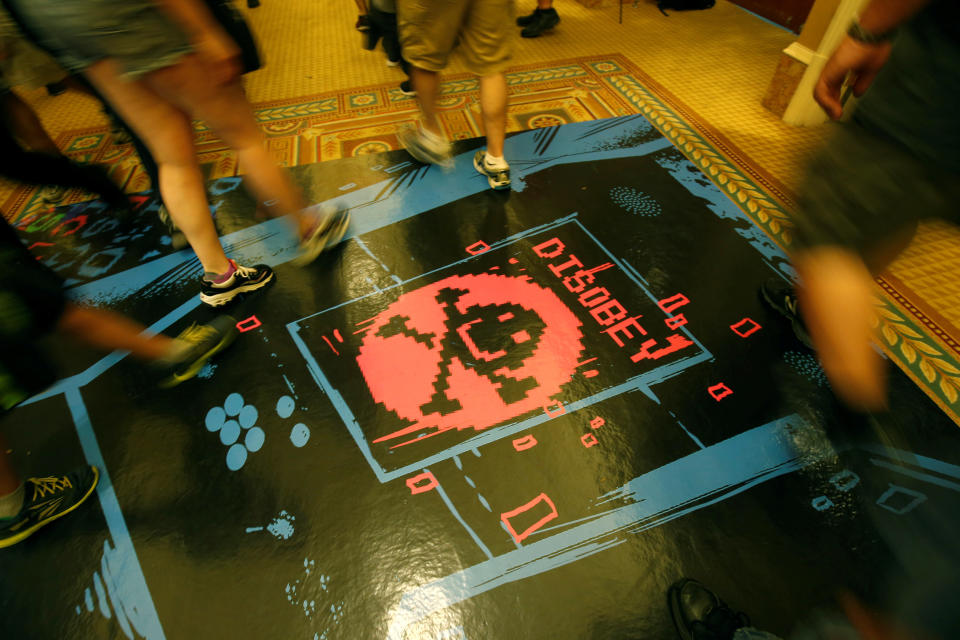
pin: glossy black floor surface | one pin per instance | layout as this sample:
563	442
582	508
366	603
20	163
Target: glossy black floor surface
516	414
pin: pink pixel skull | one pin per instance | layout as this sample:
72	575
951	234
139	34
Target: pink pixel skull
467	352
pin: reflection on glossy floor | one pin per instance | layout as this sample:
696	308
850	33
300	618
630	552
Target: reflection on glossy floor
485	415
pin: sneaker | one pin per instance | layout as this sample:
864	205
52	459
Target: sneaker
194	347
56	88
330	227
45	500
426	147
242	280
53	193
407	89
363	23
523	21
497	177
698	613
543	21
782	298
393	63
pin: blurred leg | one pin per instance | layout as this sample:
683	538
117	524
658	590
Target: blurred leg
493	104
427	85
836	299
168	133
228	112
110	331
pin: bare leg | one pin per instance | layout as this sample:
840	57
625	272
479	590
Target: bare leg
26	125
168	133
361	6
427	85
543	5
107	330
493	104
226	109
836	300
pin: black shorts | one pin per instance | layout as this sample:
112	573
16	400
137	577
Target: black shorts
863	187
32	301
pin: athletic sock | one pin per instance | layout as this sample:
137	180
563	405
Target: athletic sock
432	138
11	504
494	162
220	279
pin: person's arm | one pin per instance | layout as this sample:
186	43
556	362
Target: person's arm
207	36
863	52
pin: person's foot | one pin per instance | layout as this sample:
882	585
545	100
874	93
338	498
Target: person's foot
56	88
426	146
406	88
331	224
782	298
177	238
194	347
498	173
698	614
45	500
523	21
393	63
543	20
363	23
53	193
217	291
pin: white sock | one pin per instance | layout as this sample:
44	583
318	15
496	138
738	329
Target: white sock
11	503
495	162
431	137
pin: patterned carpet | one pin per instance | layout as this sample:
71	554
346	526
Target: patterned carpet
923	342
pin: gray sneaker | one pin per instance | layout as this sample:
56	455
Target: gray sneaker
498	177
331	225
425	149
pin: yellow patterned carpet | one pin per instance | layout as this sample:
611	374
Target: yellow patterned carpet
321	97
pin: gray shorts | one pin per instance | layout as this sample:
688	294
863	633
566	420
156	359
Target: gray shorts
81	32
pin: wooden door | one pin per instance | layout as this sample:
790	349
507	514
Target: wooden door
789	13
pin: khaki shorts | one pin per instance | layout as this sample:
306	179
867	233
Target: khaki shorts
430	29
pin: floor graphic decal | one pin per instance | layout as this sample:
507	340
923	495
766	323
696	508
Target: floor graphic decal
486	415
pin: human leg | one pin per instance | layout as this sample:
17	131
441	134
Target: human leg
43	169
25	124
836	301
108	330
427	85
168	133
228	112
9	479
493	105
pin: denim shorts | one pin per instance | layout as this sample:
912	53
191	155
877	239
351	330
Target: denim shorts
136	33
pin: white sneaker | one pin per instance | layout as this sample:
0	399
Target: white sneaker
426	147
498	176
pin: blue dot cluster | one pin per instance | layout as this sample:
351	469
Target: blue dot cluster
231	420
636	202
300	433
806	365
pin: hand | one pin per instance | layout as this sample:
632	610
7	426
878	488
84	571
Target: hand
861	61
220	54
